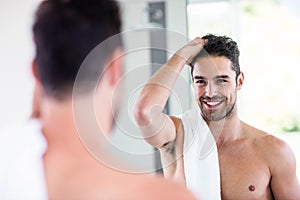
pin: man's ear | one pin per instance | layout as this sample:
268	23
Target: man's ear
240	80
37	91
34	71
115	64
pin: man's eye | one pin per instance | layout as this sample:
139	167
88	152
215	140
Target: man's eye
221	81
200	81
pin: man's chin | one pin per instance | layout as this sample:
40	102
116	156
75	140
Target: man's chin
213	117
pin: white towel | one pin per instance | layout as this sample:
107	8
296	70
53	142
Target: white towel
201	163
21	154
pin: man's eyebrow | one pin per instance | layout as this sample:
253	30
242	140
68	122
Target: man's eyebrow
199	77
222	77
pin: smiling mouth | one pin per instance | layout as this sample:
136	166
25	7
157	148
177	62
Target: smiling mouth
212	104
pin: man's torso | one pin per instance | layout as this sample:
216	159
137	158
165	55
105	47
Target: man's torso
244	170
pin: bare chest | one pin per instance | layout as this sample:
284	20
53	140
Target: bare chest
244	173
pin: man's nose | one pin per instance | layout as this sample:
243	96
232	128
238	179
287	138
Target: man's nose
210	90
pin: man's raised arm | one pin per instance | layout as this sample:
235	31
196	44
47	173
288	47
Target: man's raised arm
158	128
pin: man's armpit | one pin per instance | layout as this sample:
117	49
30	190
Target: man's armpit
169	148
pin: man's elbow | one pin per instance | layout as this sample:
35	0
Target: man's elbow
143	119
141	114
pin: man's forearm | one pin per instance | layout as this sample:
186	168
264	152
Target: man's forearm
158	128
158	89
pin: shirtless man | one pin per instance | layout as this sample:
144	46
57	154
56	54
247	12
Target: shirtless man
253	164
65	32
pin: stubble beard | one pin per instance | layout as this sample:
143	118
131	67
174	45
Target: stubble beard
217	115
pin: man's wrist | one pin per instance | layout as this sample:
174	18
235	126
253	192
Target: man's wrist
182	57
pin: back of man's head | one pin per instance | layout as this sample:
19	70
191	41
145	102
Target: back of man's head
65	32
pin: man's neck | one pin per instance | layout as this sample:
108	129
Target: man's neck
63	138
58	126
226	130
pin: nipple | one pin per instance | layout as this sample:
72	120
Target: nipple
251	188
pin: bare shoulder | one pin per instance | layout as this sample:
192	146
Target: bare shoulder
275	146
163	188
120	185
278	152
272	148
153	187
266	140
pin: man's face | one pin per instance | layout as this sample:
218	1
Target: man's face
215	87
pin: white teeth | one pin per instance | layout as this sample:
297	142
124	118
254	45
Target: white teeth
213	103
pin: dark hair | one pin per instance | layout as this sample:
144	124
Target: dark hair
220	46
65	32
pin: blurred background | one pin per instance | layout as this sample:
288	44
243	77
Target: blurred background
267	33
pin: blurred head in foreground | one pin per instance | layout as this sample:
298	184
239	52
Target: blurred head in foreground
77	67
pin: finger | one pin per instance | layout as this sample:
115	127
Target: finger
196	40
199	44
